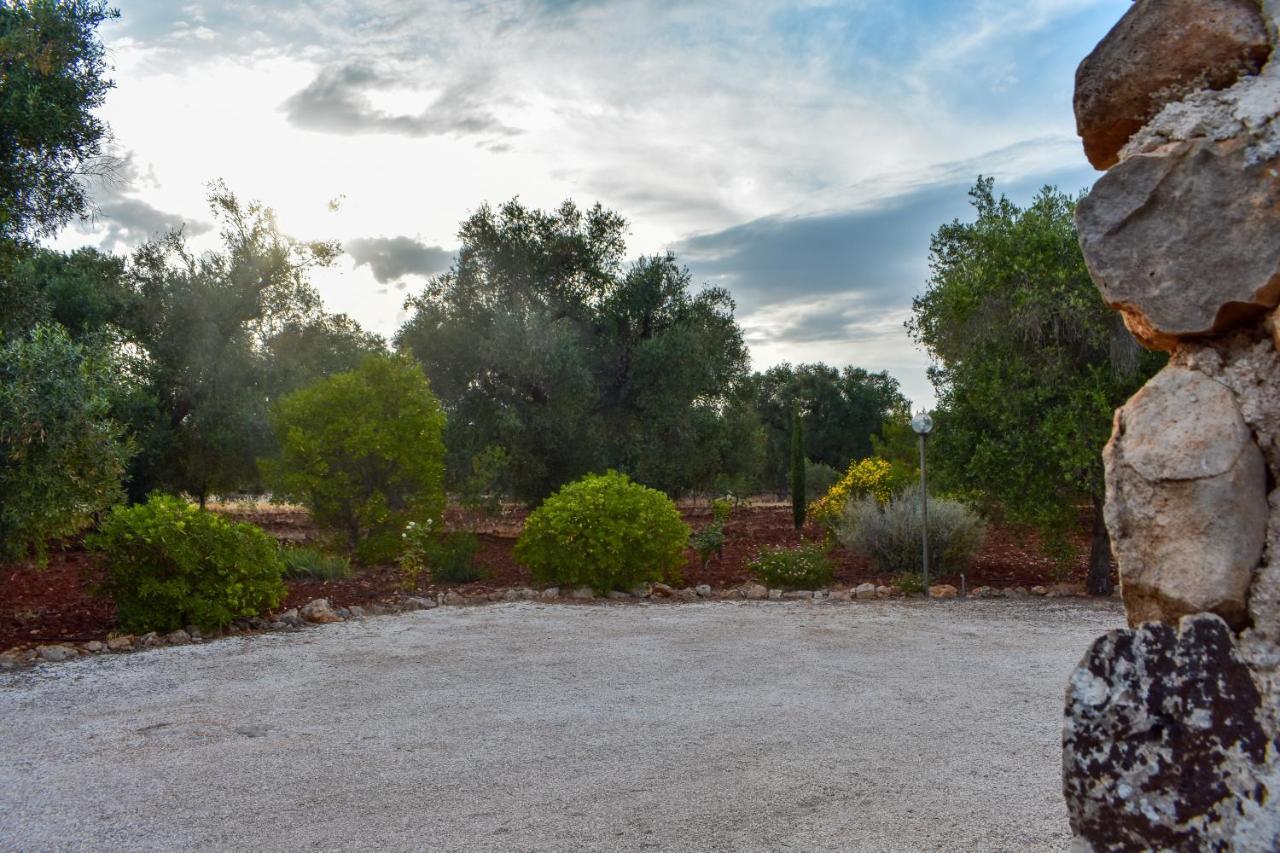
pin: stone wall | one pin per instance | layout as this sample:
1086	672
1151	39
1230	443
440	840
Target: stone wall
1172	735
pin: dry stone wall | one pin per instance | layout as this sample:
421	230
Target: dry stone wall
1172	732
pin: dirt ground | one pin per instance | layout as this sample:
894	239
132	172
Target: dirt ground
883	725
57	602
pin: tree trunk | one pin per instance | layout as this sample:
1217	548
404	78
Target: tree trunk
1099	582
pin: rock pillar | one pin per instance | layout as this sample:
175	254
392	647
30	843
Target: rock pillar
1172	734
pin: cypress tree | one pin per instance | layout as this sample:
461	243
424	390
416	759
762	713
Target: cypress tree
797	469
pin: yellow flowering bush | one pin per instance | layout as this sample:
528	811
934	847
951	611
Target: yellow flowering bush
871	476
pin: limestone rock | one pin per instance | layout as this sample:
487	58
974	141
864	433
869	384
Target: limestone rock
453	598
319	612
291	618
420	603
943	590
1039	590
511	595
755	592
551	592
703	590
775	595
660	590
1163	745
583	593
94	647
1186	499
1160	51
122	643
56	653
797	594
1182	240
684	594
884	592
180	637
864	591
357	612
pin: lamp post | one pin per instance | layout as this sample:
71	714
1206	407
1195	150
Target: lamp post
923	425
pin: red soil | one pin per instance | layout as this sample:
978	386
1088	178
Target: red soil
57	603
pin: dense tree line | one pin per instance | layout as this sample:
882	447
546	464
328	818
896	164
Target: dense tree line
552	355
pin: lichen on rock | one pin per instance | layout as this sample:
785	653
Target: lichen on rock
1163	746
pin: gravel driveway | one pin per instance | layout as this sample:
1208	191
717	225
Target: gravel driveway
720	726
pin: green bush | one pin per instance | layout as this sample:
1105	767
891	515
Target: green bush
818	479
448	557
301	562
606	532
363	451
890	533
801	567
170	564
61	455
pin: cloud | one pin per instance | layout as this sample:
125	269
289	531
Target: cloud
839	275
339	101
122	218
392	258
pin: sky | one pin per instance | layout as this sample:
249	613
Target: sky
799	154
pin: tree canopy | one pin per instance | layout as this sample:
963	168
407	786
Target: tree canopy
52	78
542	341
1030	365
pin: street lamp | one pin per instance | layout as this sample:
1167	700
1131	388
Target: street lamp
923	425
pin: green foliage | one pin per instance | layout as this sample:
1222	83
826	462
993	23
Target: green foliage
486	486
61	455
447	557
721	509
207	325
843	410
51	83
799	498
303	562
170	564
818	479
606	532
1031	364
362	450
801	567
891	533
909	583
621	367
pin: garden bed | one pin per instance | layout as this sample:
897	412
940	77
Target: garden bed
56	603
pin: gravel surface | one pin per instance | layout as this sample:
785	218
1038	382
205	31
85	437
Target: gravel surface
719	726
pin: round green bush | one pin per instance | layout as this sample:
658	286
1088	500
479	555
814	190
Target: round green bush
605	532
171	564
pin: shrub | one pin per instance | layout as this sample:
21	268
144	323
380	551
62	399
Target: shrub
606	532
890	533
486	485
448	557
170	564
314	564
802	567
818	479
61	456
870	476
363	451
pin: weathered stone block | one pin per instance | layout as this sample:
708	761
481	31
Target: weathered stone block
1163	744
1183	240
1160	51
1186	499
